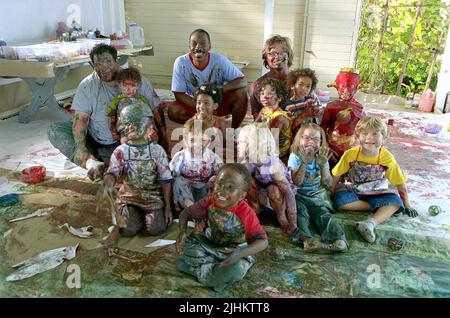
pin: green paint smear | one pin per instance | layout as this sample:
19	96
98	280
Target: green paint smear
420	269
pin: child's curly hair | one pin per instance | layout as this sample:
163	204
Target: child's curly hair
212	90
279	88
128	74
240	169
298	72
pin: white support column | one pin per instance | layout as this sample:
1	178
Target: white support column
443	84
352	60
268	24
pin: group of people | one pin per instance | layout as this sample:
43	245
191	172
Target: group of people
283	158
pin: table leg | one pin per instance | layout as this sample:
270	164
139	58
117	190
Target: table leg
43	95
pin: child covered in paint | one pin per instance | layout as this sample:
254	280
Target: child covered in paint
370	166
308	164
273	94
303	106
207	99
145	195
129	80
341	116
271	184
219	257
194	165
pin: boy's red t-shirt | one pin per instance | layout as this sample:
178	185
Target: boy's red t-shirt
253	229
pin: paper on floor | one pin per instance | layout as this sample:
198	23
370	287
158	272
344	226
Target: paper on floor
42	262
83	232
160	242
40	212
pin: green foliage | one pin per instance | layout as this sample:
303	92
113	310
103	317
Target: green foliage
432	25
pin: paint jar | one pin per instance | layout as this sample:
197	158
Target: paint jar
33	174
434	210
9	199
395	244
433	128
409	100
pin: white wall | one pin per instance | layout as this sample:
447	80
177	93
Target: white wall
32	21
443	85
332	33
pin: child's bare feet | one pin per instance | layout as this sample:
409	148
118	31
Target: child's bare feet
311	245
339	246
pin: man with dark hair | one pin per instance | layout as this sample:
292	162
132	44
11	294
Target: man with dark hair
200	66
88	135
277	56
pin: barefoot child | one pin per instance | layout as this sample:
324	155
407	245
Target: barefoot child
271	184
193	166
145	195
310	171
370	166
303	106
218	258
272	95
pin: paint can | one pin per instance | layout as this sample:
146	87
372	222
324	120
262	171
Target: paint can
33	174
434	210
9	199
395	244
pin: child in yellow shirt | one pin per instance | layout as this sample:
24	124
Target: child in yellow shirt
370	166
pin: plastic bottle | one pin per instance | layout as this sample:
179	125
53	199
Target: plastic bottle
427	101
2	48
137	35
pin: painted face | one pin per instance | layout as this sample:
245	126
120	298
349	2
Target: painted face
276	57
310	140
135	122
192	143
228	189
268	97
205	106
129	88
302	87
370	140
347	84
199	47
105	66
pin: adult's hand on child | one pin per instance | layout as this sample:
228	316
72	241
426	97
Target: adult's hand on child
179	245
411	212
323	156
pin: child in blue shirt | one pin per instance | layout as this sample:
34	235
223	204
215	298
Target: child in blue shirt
310	171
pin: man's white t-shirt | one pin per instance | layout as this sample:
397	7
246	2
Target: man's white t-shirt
186	78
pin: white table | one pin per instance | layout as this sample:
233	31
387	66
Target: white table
52	72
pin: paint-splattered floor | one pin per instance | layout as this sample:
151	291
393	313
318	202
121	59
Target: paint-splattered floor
420	269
